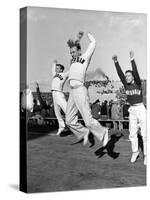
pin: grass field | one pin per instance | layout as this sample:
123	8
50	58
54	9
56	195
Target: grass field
59	164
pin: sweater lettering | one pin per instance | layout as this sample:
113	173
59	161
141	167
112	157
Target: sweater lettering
78	59
58	76
133	92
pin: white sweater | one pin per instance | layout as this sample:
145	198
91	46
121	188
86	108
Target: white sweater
79	65
58	79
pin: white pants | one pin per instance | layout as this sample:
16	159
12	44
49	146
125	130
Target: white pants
59	103
79	100
137	118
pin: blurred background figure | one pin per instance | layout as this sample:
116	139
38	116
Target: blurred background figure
125	110
96	109
109	108
116	112
104	110
41	108
27	100
125	114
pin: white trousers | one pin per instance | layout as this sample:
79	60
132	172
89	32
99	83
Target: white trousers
137	118
79	101
59	103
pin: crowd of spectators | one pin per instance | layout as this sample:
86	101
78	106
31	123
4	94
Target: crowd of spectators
110	110
44	109
113	109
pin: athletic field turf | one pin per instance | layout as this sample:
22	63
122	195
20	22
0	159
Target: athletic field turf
59	164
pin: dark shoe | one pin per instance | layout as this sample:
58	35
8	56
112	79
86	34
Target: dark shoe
91	140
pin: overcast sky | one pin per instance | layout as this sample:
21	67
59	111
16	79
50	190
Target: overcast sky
116	33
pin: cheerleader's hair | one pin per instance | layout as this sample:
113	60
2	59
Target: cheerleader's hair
74	43
80	35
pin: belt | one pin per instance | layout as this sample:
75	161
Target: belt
56	91
77	86
137	104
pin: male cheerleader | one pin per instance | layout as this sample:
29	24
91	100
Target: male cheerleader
137	111
78	99
58	80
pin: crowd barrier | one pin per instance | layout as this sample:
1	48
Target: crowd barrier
117	124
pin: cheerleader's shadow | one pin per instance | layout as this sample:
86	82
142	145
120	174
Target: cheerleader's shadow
66	133
109	148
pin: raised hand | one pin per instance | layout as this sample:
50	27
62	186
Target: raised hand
37	85
115	58
80	35
131	53
55	61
